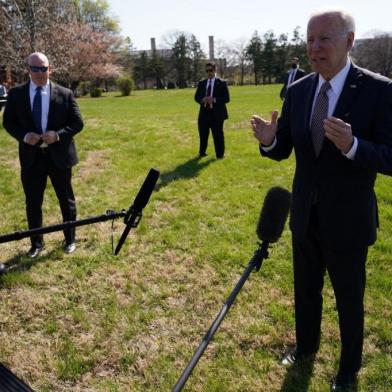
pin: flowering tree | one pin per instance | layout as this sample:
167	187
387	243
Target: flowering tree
77	50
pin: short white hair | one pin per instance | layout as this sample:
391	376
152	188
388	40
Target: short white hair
346	18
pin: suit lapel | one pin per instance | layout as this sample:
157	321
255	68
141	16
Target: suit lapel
216	86
53	94
351	88
27	103
308	103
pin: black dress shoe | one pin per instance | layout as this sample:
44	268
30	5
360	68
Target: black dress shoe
345	382
293	358
34	251
201	155
70	247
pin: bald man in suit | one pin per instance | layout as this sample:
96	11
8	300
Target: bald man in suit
44	117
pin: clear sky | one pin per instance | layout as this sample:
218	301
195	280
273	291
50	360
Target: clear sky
229	20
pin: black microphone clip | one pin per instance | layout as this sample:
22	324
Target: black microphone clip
260	254
134	213
132	217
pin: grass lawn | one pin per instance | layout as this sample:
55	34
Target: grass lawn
92	321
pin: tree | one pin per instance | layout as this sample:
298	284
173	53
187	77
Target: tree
95	13
157	69
75	50
181	60
298	49
268	56
29	25
375	53
196	59
254	54
239	58
222	55
141	70
123	55
281	57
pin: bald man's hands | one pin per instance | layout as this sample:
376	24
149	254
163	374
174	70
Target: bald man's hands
264	131
48	137
32	138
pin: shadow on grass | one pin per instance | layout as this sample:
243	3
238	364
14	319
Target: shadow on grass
189	169
21	263
298	377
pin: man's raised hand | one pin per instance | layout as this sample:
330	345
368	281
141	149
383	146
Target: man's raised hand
264	131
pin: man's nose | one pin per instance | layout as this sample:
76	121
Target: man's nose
316	44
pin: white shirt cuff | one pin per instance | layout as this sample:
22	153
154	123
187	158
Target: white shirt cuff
270	147
351	153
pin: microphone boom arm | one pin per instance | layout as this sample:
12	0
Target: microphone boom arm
254	264
18	235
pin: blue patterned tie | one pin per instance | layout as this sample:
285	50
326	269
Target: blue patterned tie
37	110
320	112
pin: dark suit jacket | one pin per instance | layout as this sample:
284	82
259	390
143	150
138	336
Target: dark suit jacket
346	203
298	75
64	117
221	95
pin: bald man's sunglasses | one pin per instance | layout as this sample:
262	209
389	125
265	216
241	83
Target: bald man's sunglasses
33	68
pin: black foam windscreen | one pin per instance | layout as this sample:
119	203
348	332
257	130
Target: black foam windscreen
273	214
146	190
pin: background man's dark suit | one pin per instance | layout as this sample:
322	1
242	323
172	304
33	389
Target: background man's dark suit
64	117
298	75
336	195
212	118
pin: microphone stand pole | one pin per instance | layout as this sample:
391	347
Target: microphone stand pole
18	235
255	264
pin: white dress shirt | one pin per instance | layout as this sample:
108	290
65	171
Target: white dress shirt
210	82
45	94
291	79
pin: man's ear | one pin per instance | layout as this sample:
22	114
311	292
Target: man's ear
350	41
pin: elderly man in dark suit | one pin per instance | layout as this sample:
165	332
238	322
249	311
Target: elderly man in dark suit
291	76
212	95
43	117
338	120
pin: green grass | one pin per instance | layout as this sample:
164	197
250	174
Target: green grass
91	321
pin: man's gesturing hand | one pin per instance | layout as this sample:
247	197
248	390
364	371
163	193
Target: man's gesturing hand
264	131
339	133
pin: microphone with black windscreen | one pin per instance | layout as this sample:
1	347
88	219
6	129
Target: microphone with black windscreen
273	216
272	219
134	213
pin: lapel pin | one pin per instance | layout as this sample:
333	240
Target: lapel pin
353	86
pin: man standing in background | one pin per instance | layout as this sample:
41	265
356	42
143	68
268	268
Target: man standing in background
212	95
291	76
43	117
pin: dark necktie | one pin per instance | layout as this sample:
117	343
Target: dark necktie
320	112
209	88
37	110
